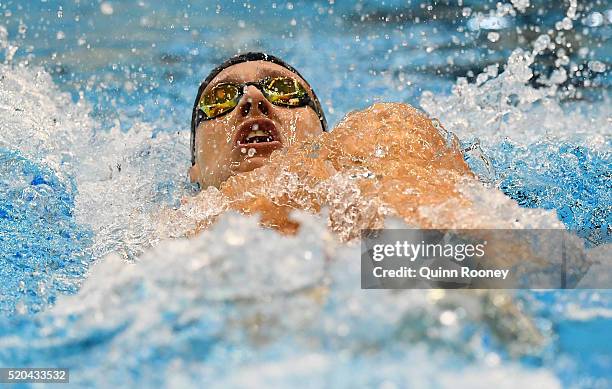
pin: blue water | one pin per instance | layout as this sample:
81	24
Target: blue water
583	203
42	246
152	323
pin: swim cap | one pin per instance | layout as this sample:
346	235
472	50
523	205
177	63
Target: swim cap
247	57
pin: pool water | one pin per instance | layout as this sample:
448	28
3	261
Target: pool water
96	99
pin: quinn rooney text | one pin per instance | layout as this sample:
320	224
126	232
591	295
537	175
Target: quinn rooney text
439	273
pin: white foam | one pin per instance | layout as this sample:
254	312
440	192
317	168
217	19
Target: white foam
502	106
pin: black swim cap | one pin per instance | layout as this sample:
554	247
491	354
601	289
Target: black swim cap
252	56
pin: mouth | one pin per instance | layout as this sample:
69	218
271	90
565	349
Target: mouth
254	142
257	132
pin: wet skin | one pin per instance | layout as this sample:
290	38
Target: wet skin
222	145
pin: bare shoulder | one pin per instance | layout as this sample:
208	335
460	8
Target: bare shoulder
400	130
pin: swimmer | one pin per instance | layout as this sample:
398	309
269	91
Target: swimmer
259	137
248	107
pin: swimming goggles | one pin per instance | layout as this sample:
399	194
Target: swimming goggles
224	97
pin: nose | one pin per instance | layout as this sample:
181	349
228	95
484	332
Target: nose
253	102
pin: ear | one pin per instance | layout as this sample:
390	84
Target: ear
194	173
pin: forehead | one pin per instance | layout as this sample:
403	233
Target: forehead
252	71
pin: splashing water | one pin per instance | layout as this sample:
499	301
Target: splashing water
498	112
243	305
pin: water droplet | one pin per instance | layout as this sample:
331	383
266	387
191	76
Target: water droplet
493	36
565	24
252	152
541	43
106	8
520	5
21	308
448	318
597	66
233	238
492	359
594	19
42	288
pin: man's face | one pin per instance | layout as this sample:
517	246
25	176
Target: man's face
226	145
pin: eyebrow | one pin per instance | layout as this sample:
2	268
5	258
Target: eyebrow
261	73
232	79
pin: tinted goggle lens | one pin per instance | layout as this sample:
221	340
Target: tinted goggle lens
284	91
222	98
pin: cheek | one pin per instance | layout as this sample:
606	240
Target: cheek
300	125
214	140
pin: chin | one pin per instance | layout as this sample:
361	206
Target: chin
252	163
